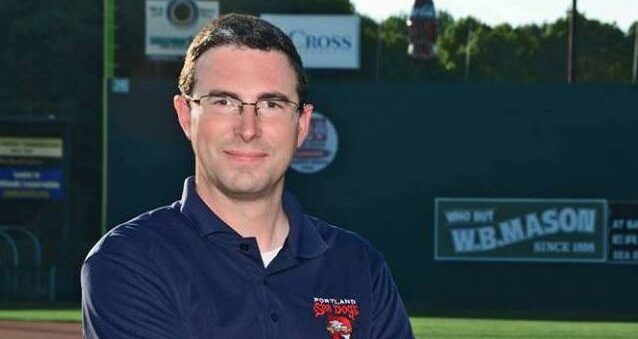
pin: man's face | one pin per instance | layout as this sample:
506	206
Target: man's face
243	156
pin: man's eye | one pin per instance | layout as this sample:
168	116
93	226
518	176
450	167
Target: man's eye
274	104
220	101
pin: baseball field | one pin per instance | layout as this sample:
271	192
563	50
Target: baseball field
65	324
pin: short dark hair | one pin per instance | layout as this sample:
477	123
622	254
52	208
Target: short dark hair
242	31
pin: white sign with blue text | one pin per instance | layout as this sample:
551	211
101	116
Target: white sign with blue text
323	41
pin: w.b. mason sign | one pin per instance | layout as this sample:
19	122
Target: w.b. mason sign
571	230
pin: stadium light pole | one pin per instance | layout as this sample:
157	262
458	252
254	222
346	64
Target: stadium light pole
108	50
571	53
377	72
635	74
468	54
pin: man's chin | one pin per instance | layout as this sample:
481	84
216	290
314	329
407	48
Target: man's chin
248	189
247	194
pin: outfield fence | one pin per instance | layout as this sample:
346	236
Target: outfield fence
25	283
37	284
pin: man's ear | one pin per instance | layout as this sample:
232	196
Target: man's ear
183	110
305	118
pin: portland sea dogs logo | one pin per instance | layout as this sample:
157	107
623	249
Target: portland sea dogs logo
340	315
339	327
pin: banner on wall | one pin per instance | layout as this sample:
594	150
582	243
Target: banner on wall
623	232
171	25
320	147
323	41
31	168
558	230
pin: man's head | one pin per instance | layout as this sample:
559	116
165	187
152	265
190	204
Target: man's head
241	31
242	107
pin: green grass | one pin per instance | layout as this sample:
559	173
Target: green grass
62	315
432	328
436	328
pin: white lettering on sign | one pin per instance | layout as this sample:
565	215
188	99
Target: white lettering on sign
617	239
483	216
469	216
624	224
456	216
463	240
583	247
50	185
618	224
551	247
566	220
621	255
631	239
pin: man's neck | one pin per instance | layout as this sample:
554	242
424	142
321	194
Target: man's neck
261	217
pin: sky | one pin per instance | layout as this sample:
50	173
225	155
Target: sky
514	12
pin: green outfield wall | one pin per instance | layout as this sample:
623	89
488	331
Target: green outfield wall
401	146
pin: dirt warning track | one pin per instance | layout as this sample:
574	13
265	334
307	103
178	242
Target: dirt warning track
39	330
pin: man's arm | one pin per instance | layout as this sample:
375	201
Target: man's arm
389	318
123	299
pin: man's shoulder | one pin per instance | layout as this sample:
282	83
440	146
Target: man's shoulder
150	229
340	239
332	233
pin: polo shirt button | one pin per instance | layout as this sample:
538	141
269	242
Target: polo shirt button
244	247
274	316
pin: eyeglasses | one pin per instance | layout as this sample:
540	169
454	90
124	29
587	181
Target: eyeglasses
267	109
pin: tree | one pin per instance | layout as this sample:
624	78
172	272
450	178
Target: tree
452	44
526	54
604	52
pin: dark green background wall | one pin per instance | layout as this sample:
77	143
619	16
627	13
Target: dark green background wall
403	144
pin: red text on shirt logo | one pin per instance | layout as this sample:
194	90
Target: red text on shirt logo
340	314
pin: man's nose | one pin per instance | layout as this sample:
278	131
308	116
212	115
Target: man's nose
248	126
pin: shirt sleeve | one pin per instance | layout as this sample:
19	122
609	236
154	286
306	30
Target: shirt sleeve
122	298
389	317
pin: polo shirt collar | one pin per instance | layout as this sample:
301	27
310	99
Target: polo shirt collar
192	206
303	239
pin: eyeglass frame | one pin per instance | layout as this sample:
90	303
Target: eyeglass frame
298	106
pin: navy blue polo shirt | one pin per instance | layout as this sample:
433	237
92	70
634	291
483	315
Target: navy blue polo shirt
181	272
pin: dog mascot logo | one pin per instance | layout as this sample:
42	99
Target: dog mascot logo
340	314
339	327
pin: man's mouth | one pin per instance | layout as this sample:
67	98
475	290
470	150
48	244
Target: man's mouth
246	156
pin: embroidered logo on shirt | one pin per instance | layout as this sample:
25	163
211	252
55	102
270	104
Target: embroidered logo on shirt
340	315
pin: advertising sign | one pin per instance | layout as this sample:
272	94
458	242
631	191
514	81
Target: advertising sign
320	147
323	41
623	232
31	183
31	168
171	25
571	230
31	147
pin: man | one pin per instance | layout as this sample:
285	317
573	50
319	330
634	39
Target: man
237	257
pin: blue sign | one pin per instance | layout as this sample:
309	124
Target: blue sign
31	183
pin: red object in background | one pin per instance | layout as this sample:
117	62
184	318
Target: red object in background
422	30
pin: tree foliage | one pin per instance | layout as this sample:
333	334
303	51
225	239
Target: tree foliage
525	54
